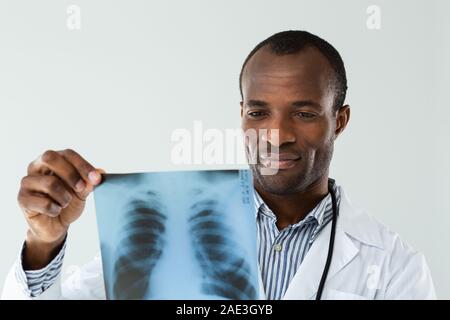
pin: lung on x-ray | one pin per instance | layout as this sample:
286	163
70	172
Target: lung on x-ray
178	235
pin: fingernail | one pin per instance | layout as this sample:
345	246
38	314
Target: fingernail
67	197
54	208
93	176
80	186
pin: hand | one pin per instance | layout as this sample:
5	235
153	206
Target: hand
52	196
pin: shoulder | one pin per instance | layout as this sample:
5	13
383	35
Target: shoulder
405	273
369	231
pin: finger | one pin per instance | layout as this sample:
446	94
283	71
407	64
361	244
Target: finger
52	186
51	162
33	204
84	168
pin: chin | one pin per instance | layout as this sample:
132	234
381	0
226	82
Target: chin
282	183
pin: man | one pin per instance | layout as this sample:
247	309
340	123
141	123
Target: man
292	83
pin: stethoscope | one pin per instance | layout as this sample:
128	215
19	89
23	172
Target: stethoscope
332	234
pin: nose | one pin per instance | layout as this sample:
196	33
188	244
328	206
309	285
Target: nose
279	132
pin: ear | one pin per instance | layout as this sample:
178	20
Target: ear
242	108
342	118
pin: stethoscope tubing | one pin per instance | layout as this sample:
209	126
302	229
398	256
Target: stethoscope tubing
331	244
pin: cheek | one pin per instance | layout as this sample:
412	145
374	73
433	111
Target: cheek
250	139
251	131
247	126
314	136
244	124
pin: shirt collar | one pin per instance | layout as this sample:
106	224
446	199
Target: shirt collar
353	221
317	214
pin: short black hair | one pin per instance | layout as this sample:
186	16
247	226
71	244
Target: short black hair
294	41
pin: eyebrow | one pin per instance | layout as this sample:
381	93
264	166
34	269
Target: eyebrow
297	103
256	103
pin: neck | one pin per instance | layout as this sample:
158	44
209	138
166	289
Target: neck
292	208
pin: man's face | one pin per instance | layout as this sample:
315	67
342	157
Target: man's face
291	93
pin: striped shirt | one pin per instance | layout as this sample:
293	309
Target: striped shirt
280	252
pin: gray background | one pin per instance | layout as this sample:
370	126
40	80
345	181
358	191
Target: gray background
116	89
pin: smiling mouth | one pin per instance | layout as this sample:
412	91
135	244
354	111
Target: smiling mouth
281	162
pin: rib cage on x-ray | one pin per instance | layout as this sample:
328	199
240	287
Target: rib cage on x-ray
152	225
225	272
141	249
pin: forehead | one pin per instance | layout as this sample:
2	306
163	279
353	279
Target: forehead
305	74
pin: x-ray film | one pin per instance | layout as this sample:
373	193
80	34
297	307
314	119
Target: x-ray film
178	235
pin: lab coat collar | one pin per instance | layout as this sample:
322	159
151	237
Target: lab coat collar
357	224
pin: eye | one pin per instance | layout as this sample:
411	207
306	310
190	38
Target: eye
256	114
306	115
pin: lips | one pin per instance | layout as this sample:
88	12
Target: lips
280	161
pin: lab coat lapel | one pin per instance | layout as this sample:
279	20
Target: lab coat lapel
304	284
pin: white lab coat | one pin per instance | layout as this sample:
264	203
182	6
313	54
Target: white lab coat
369	262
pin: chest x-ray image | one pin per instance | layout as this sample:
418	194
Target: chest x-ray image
178	235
